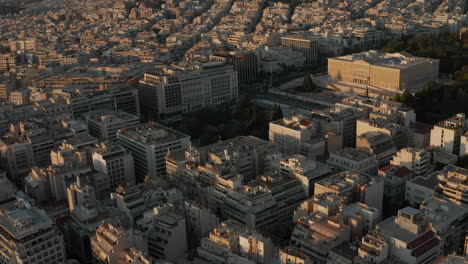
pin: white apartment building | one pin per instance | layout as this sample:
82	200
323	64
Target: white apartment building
417	160
104	124
28	235
448	133
116	162
149	144
170	91
297	135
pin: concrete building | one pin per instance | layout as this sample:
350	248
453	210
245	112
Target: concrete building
379	144
308	47
290	255
395	179
399	133
354	160
134	256
297	135
16	157
167	234
448	221
109	241
200	221
130	201
167	92
317	234
232	242
245	63
373	249
420	189
116	162
417	160
447	134
105	124
306	170
394	72
20	97
28	235
149	144
409	238
353	187
453	184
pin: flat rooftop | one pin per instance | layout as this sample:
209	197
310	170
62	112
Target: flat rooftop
19	219
394	60
151	134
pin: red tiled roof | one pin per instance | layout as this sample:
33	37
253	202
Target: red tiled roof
418	241
403	171
425	247
386	167
305	122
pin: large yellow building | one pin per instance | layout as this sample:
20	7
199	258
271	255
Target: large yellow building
392	72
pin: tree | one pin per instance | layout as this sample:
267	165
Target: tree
406	97
277	113
308	85
397	98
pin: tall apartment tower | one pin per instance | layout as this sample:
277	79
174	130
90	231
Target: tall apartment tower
308	47
149	144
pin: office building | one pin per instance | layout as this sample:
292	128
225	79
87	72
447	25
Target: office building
149	144
308	47
105	124
168	92
245	63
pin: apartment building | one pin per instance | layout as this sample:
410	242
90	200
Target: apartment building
379	144
116	162
354	160
297	135
417	160
28	235
373	249
409	238
453	184
149	144
448	133
109	241
353	187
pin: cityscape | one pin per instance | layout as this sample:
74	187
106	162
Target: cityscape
233	131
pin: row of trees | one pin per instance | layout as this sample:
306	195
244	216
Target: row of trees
448	48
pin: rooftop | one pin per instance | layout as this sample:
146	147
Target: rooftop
151	134
394	60
20	220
